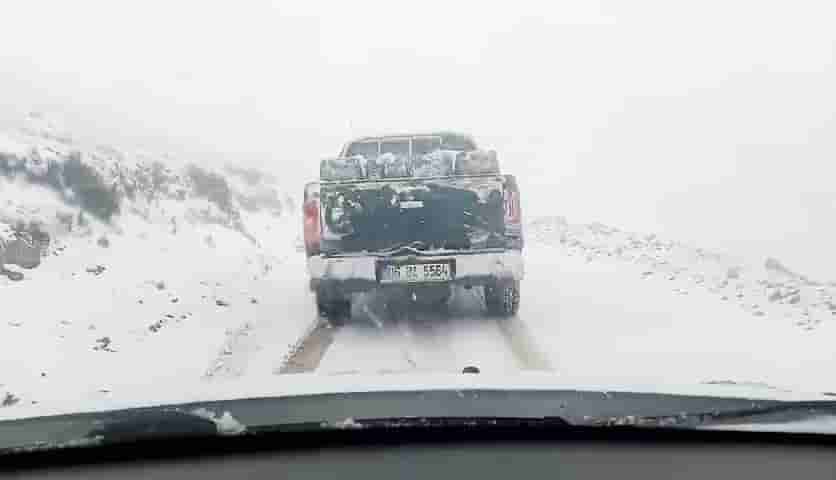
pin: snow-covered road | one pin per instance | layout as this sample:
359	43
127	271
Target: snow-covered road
376	341
428	340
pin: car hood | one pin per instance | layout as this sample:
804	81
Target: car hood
141	394
315	403
305	402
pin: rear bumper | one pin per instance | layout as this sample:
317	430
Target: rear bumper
357	273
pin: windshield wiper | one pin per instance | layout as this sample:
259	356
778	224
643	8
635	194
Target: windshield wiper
421	411
418	423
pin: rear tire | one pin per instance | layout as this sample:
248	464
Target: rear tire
13	276
503	298
336	311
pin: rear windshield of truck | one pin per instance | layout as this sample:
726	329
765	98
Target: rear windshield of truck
401	146
367	149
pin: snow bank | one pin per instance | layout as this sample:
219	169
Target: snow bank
767	288
151	308
602	300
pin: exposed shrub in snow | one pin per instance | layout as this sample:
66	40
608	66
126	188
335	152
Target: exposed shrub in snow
211	186
65	219
31	166
266	199
91	193
103	181
7	162
250	175
9	399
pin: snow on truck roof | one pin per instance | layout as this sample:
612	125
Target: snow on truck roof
459	136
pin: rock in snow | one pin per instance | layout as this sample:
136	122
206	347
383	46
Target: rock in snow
9	399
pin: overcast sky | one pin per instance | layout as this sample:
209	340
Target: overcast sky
709	121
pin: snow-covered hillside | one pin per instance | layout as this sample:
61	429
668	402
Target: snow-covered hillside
103	183
768	288
153	265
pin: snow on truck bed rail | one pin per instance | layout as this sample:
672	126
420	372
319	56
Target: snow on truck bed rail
438	163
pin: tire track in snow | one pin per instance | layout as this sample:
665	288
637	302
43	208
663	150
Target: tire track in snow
269	335
231	361
487	334
383	339
529	355
306	354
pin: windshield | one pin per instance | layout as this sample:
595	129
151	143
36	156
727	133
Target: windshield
287	199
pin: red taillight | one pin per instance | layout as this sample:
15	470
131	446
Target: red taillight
311	226
513	212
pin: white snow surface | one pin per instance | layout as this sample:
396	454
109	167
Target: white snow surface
11	146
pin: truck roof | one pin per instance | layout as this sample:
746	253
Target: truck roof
438	133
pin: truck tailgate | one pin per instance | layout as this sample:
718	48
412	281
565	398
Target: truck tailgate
430	214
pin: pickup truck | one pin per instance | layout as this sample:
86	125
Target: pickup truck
411	216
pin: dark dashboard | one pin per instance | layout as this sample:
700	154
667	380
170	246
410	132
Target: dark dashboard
456	433
460	453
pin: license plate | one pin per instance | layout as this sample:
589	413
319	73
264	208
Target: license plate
415	272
